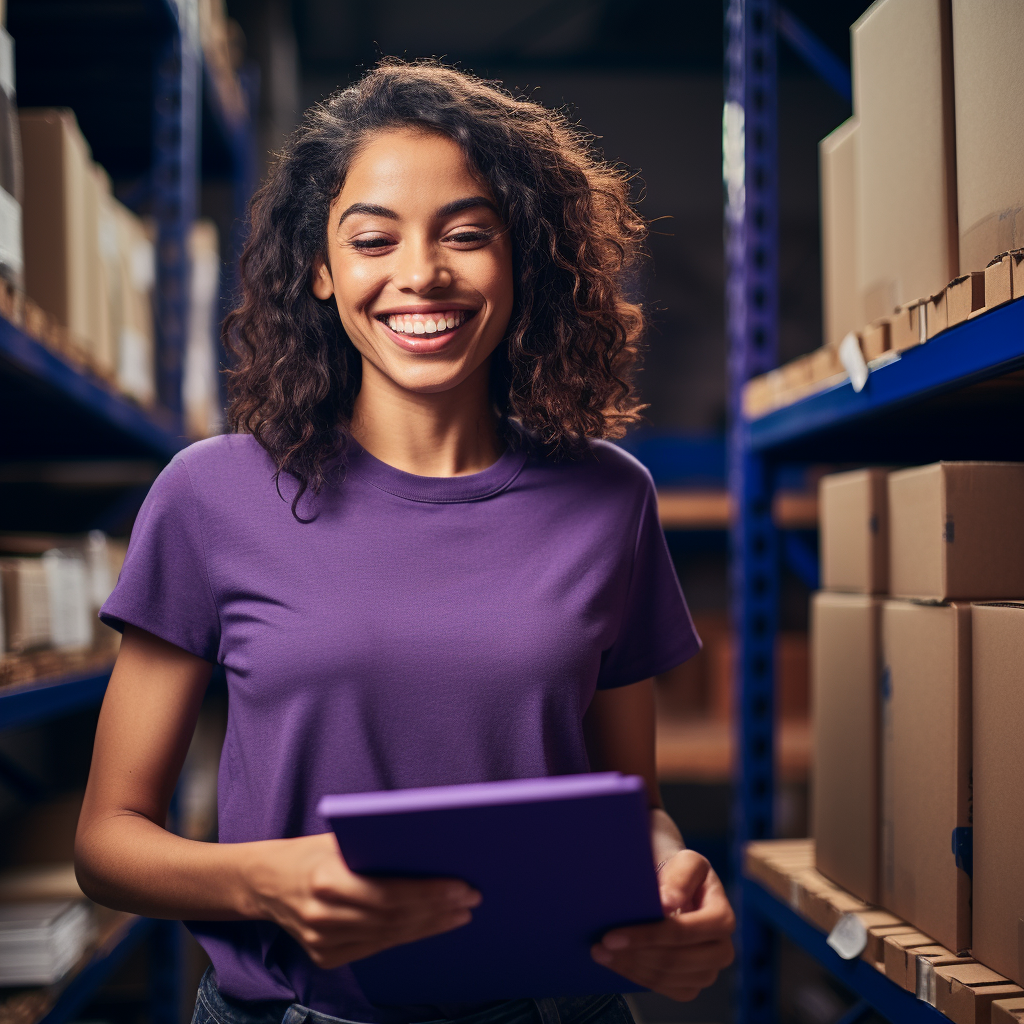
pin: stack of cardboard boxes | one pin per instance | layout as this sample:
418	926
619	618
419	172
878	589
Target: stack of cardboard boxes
89	261
922	192
917	667
51	588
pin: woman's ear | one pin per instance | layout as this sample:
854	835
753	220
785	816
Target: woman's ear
323	283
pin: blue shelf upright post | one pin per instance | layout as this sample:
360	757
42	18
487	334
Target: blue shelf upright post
751	223
175	191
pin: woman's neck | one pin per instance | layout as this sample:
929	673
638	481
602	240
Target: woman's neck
447	433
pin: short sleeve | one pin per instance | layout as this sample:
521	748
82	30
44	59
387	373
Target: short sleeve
656	632
163	586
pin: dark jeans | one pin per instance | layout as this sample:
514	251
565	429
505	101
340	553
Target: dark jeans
213	1008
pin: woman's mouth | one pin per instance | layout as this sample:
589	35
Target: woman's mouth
425	332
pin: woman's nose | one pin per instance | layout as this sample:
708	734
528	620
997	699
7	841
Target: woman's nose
421	268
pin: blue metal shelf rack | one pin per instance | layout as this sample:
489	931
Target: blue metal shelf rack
135	75
960	395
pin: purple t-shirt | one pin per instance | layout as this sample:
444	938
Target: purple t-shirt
421	631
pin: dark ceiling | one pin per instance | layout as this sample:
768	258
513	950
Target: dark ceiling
680	35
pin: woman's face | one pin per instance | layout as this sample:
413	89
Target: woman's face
420	261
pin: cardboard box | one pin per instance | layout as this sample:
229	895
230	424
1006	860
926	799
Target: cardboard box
955	531
926	767
964	296
998	282
845	670
61	224
136	344
854	531
841	302
25	604
876	339
936	316
1008	1011
965	992
910	960
998	654
907	327
988	39
874	951
905	153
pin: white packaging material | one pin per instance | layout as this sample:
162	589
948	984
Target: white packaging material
69	594
40	942
200	386
97	560
26	604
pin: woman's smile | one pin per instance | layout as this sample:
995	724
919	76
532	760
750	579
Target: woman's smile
419	330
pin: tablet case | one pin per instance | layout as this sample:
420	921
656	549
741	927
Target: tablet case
559	861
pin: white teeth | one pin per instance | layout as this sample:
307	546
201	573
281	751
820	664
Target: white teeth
406	325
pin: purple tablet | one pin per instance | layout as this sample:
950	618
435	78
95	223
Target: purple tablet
559	861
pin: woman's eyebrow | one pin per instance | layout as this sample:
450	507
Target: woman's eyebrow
449	209
369	208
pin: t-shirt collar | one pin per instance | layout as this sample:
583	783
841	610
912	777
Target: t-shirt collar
442	489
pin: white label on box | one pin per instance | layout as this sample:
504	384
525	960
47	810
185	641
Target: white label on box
11	251
852	359
849	937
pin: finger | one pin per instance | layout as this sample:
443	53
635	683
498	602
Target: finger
669	961
681	985
396	893
707	956
685	929
330	948
681	879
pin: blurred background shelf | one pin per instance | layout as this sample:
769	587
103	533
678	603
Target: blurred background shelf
49	408
118	935
53	694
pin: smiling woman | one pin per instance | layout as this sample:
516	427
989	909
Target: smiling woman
490	178
433	343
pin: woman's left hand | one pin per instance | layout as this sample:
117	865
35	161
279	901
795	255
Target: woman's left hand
683	954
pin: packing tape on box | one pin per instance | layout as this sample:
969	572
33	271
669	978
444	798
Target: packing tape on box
925	980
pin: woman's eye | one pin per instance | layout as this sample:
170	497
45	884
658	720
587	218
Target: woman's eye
371	243
469	236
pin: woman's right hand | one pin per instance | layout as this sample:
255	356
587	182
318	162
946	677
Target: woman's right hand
337	916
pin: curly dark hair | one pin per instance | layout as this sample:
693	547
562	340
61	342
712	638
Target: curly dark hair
565	368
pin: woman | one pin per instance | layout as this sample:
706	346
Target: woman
415	558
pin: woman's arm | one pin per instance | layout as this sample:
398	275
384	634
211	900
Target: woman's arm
125	857
684	953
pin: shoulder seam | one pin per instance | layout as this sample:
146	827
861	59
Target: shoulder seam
206	561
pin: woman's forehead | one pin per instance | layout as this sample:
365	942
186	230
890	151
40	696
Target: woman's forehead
410	171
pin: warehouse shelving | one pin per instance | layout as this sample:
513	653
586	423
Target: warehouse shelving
959	395
27	703
135	76
53	409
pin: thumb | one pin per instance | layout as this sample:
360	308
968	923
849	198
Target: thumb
681	879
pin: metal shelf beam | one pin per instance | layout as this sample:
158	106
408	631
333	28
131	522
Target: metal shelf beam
987	347
25	705
57	387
